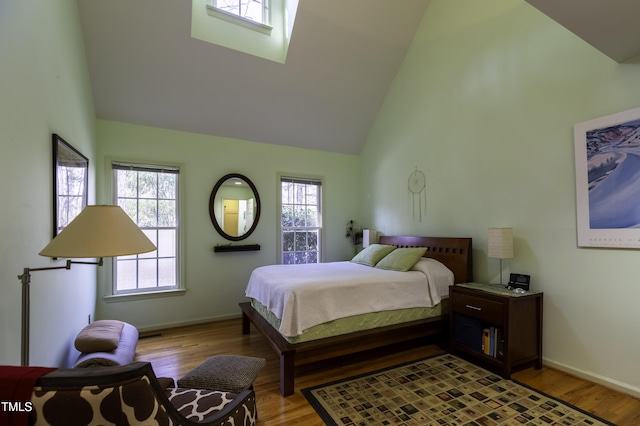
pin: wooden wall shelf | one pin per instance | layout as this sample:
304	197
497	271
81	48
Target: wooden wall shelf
238	247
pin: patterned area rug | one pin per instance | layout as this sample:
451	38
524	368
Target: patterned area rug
440	390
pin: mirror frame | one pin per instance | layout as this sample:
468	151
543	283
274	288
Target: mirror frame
65	154
212	214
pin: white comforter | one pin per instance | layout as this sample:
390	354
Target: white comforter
302	296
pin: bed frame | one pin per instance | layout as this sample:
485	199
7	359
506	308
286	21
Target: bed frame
455	253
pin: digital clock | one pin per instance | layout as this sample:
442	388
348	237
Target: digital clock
519	281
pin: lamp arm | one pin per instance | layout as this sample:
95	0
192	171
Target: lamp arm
99	262
25	278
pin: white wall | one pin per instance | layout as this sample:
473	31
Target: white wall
216	281
485	105
44	89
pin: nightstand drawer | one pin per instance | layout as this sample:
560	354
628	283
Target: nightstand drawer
476	307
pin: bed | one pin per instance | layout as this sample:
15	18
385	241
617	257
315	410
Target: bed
403	325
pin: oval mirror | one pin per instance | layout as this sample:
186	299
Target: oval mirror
234	207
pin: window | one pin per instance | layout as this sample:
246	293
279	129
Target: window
301	220
260	28
149	195
252	10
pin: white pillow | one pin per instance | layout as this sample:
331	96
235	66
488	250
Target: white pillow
440	277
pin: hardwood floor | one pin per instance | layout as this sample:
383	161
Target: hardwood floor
173	352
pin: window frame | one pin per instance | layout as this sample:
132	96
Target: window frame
263	27
178	246
308	180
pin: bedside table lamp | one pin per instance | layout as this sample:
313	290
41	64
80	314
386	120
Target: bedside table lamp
500	245
369	236
97	232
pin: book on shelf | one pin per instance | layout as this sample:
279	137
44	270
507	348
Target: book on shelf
486	340
492	342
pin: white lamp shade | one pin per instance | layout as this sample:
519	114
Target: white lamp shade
99	231
501	243
369	236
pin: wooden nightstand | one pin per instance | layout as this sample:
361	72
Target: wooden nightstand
510	322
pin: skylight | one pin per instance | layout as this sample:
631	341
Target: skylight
253	10
251	14
261	28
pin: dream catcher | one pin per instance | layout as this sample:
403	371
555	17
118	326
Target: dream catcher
417	193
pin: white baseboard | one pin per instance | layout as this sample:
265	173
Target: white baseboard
163	326
594	378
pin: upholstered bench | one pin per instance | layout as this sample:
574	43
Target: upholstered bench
227	373
106	343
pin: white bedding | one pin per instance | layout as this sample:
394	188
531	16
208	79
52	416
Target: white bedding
303	296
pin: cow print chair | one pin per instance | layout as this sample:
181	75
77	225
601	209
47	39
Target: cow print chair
132	395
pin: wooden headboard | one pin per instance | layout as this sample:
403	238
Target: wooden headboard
454	253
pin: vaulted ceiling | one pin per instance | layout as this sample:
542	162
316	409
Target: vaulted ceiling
344	54
610	26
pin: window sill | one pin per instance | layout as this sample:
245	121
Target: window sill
146	295
239	20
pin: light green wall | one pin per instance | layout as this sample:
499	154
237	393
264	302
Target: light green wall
485	104
44	89
216	281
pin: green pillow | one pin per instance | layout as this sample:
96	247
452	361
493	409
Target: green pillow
402	259
372	254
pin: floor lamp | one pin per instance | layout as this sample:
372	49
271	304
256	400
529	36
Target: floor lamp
500	245
97	232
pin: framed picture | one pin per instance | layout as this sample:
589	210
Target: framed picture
607	153
70	182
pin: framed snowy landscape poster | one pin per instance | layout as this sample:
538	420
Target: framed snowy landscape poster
607	151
